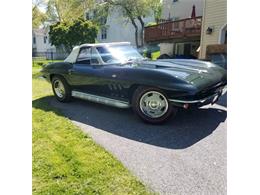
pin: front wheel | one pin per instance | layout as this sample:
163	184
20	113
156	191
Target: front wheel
151	105
61	89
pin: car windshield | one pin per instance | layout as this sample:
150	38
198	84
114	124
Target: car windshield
118	54
219	59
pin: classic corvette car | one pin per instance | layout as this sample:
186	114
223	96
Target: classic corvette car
116	74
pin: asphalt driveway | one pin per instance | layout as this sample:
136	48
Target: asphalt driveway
187	155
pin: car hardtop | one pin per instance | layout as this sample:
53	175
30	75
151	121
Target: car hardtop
72	57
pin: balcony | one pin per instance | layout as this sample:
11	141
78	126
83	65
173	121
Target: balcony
189	28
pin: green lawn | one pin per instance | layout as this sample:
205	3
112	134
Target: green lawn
39	62
67	161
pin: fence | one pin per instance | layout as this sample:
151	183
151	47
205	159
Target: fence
50	55
40	58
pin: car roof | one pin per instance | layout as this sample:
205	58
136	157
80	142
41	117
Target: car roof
75	51
103	44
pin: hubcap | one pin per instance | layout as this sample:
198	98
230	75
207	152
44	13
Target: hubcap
59	88
153	104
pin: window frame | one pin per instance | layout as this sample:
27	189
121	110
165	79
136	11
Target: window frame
100	62
104	35
45	39
34	40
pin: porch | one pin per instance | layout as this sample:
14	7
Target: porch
185	29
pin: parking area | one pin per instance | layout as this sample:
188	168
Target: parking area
187	155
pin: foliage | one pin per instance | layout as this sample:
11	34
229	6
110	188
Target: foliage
38	17
157	9
70	34
99	13
137	10
67	10
67	161
151	24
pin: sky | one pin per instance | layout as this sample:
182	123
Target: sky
42	5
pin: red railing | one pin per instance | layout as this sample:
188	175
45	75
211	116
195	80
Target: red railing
190	27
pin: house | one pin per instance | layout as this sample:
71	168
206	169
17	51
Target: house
178	32
181	9
115	27
118	29
214	28
41	45
40	41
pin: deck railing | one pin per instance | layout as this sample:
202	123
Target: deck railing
190	27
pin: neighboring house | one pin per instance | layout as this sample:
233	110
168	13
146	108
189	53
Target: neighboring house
41	46
214	27
40	41
116	28
179	29
181	9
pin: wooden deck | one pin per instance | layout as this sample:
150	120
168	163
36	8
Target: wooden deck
179	29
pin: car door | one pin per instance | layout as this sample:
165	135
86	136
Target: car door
86	74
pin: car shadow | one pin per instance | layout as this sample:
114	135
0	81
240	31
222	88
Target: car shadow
185	129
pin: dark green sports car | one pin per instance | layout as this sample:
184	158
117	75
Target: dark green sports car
116	74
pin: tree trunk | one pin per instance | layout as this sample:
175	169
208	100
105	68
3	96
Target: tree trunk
142	30
129	15
134	24
136	32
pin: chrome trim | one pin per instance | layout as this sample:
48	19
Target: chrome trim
193	101
100	99
223	91
152	105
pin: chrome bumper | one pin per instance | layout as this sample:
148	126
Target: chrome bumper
214	98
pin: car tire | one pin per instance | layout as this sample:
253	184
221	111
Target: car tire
61	89
151	105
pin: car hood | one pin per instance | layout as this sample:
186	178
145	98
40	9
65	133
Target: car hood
199	73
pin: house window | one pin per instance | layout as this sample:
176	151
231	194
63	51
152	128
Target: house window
103	33
34	40
45	39
103	20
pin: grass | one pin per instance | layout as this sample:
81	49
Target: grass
40	62
67	161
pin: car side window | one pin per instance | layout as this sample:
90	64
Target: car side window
84	56
88	56
105	54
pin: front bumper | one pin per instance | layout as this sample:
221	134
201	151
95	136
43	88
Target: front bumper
201	102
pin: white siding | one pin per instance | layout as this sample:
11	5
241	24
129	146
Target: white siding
40	46
166	48
120	29
181	9
215	16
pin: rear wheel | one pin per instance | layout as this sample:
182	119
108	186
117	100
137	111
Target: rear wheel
61	89
151	105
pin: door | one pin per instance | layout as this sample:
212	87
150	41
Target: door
86	74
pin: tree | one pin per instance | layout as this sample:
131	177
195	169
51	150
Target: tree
38	17
126	6
145	8
70	34
67	10
137	10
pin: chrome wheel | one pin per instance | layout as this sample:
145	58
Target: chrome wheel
153	104
59	88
